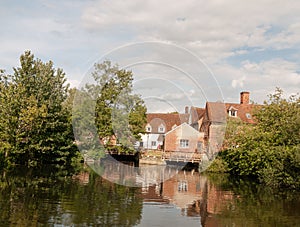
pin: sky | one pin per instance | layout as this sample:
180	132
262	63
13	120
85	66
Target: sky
180	53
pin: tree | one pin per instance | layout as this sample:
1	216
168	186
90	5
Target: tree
119	112
279	119
270	149
35	125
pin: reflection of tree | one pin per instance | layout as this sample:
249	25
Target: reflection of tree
244	201
30	198
203	205
227	201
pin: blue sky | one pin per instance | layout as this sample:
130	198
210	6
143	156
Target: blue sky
244	46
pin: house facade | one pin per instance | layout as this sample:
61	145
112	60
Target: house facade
158	124
196	117
243	110
184	138
213	127
215	116
200	130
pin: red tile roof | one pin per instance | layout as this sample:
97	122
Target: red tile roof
196	114
216	112
167	119
244	111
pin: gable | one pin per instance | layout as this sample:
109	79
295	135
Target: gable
185	128
216	112
168	120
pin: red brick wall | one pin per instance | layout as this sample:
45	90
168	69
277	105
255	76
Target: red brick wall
245	97
170	142
172	139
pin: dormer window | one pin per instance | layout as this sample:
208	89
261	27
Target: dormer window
148	128
232	112
161	128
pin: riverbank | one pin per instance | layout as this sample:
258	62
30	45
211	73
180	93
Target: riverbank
152	157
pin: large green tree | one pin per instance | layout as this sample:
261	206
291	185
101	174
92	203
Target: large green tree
270	149
35	125
118	111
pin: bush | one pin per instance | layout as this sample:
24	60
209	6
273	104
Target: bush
268	150
219	165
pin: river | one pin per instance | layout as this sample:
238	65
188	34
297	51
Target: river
55	196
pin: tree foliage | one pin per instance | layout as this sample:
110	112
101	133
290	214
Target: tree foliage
118	112
35	125
270	149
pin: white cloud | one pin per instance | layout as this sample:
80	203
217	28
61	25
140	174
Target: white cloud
260	79
211	28
238	82
75	33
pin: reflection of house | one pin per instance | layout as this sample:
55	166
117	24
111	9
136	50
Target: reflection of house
153	193
217	199
193	193
82	177
157	125
184	138
183	189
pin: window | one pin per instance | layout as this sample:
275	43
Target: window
153	143
161	128
233	113
199	146
248	115
184	143
182	186
148	128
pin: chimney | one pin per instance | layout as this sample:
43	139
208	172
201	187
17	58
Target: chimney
245	97
186	110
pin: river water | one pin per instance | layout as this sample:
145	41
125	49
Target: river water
58	197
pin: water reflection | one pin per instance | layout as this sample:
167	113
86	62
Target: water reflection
58	197
134	176
39	197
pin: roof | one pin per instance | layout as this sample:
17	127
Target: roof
216	112
244	111
167	119
184	124
196	114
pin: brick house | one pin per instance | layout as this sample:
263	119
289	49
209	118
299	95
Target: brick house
243	110
213	126
157	125
184	138
197	128
196	117
214	119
